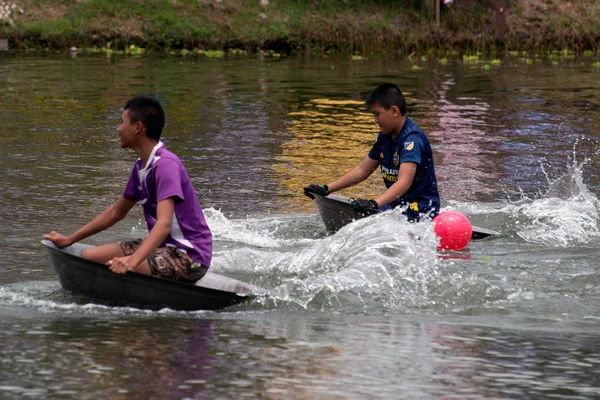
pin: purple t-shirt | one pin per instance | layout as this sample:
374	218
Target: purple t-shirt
165	177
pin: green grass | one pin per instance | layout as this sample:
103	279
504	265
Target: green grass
352	27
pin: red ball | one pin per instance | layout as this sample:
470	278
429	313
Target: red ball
453	229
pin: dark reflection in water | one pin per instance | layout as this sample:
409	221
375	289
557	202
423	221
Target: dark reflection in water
119	358
512	318
273	357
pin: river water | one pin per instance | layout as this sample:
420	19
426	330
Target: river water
366	313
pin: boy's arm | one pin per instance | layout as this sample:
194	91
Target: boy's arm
103	221
355	175
160	231
406	175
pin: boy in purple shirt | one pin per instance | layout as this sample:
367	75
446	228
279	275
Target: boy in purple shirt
179	244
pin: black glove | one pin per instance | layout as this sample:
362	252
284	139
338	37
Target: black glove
323	190
366	207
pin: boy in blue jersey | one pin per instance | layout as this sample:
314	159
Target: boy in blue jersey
403	153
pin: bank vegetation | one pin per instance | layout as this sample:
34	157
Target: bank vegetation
357	27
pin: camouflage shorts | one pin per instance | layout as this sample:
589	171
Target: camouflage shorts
168	262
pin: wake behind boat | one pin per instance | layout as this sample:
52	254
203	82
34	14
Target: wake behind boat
96	281
336	211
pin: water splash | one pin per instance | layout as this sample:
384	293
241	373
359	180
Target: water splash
265	232
567	213
380	260
373	264
48	298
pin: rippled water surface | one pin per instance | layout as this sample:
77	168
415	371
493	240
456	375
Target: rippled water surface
368	312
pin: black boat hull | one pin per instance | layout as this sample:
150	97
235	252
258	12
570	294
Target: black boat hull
96	281
336	212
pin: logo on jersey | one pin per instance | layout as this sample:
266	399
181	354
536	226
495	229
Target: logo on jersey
381	156
409	145
396	159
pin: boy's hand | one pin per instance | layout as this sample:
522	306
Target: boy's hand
367	207
59	240
120	265
322	190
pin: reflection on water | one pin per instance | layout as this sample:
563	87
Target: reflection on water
132	358
461	135
120	356
330	137
370	312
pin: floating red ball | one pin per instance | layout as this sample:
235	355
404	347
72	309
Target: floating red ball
453	229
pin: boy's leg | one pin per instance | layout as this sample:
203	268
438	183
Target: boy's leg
173	263
104	253
143	268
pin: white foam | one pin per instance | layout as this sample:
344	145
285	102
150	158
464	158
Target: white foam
250	231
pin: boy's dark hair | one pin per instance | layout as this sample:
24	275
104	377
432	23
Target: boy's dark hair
388	95
149	112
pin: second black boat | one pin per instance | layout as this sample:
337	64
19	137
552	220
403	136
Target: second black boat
336	211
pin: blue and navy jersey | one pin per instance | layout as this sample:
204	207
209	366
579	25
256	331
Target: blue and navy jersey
411	145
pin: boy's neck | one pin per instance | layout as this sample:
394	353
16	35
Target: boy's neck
401	121
144	150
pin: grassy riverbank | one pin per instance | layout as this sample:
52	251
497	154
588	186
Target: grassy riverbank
297	26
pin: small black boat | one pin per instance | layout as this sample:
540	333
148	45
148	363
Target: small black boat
96	281
336	211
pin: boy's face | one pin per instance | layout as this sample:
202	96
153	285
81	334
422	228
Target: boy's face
388	120
127	130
